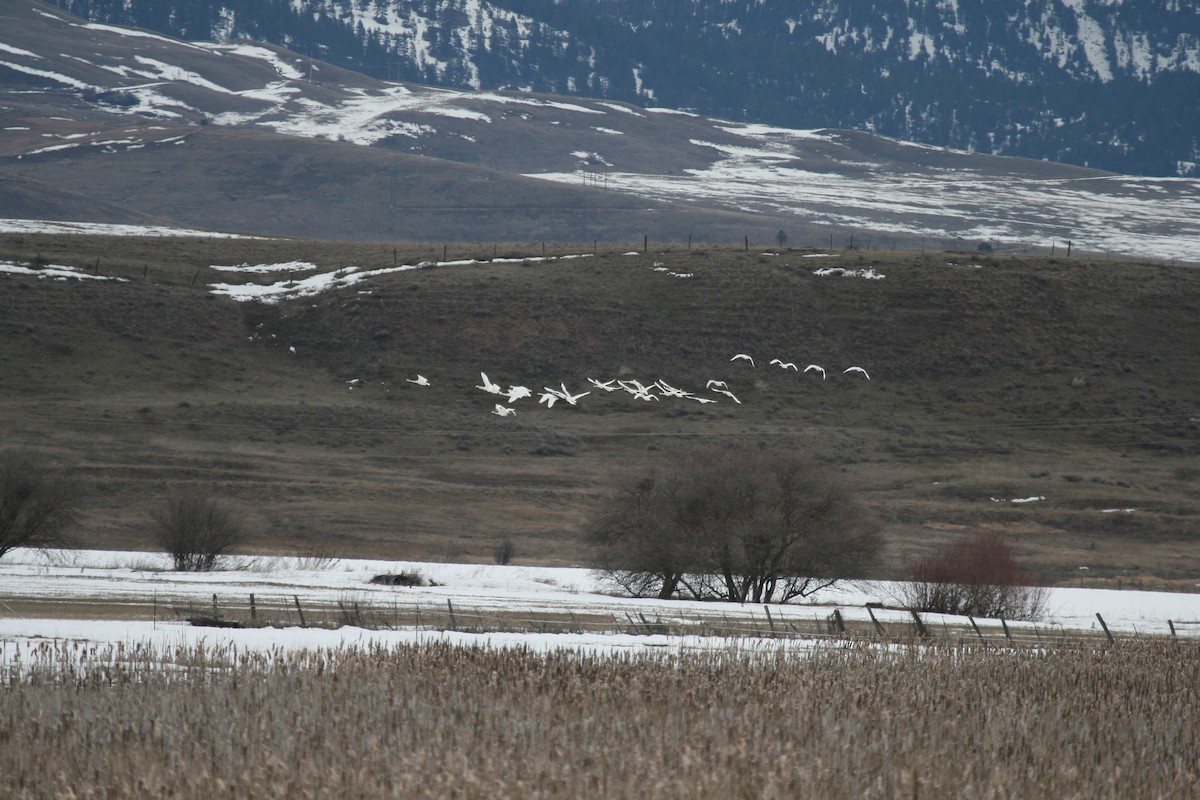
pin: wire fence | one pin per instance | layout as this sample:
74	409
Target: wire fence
752	622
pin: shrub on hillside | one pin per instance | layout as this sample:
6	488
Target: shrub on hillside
196	530
976	577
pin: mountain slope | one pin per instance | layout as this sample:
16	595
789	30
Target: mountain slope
1103	84
134	125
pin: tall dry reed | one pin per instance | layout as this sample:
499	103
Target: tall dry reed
441	721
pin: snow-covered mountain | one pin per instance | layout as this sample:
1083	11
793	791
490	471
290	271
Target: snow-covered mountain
1103	83
102	123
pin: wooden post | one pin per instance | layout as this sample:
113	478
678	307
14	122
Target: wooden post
689	242
453	621
838	622
197	275
1068	248
978	632
253	609
1171	625
770	621
747	242
145	270
920	626
443	252
1107	632
645	243
878	627
216	613
300	611
1004	625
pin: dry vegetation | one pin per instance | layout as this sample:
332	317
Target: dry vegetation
993	376
441	721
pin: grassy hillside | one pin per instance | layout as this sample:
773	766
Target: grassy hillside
992	379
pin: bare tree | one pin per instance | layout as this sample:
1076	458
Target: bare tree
637	544
38	501
975	577
733	523
196	530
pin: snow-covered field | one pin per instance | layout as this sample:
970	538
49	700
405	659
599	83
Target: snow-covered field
58	227
1117	214
145	579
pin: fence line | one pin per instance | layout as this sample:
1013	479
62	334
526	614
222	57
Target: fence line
834	625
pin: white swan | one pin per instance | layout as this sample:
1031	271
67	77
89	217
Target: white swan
856	369
503	411
420	380
812	367
518	392
743	357
488	386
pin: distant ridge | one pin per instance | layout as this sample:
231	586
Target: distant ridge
104	123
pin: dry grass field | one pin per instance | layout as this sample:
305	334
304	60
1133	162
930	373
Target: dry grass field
993	378
844	721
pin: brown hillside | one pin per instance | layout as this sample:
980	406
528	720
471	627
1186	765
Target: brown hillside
991	380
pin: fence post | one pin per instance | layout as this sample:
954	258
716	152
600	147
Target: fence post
921	630
978	632
1103	625
878	627
770	621
1004	625
216	613
453	621
1171	625
253	609
300	611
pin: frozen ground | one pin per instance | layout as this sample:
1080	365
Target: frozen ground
144	578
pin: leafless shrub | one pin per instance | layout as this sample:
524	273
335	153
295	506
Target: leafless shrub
976	577
38	501
733	523
410	578
196	530
504	552
316	557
